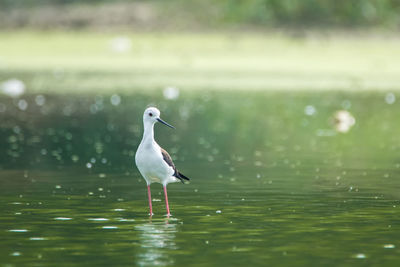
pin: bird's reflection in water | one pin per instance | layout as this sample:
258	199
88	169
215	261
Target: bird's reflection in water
157	239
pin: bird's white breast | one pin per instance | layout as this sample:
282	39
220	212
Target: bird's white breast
151	164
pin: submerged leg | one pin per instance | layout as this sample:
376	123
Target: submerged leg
149	195
166	200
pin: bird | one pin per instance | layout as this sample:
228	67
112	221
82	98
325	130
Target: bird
153	162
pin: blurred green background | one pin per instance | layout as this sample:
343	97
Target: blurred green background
286	116
201	14
264	45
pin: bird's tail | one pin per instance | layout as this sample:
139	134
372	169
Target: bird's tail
183	178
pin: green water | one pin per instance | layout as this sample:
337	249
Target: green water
272	181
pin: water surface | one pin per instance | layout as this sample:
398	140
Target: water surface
273	181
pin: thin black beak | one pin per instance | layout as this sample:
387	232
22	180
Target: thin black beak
163	122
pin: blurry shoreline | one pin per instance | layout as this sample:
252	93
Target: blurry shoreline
85	61
269	45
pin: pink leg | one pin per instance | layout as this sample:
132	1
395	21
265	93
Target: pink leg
149	195
166	200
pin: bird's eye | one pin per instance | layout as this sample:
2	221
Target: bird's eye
151	114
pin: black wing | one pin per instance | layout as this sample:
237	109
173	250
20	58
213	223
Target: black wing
168	160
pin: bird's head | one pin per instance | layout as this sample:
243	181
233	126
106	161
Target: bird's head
151	115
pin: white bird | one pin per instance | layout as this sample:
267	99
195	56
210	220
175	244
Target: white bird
153	162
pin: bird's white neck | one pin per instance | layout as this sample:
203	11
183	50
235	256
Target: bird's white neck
148	134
